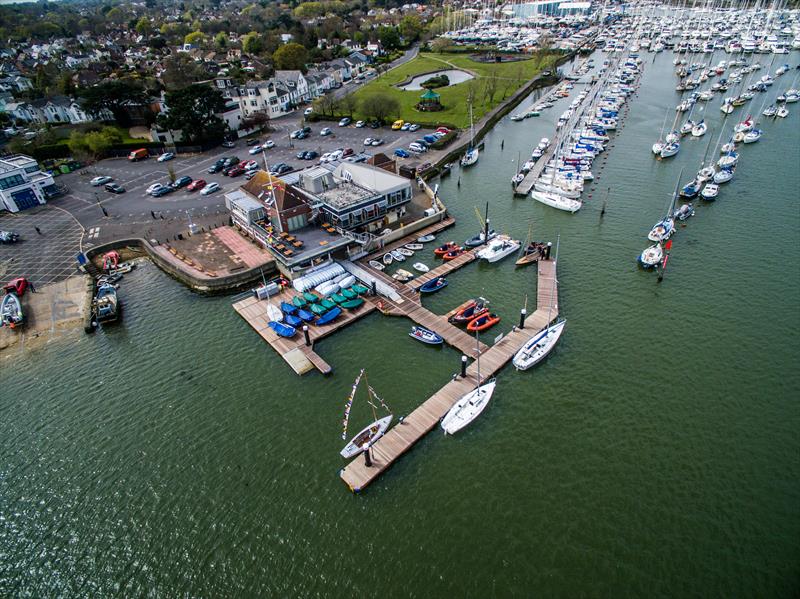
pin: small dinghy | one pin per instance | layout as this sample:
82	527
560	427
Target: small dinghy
311	297
346	281
349	293
470	311
318	309
305	315
479	239
453	254
299	301
443	249
482	322
327	303
329	316
405	252
274	313
376	265
468	408
426	238
281	329
353	304
414	246
433	285
293	321
360	289
683	212
288	308
419	266
402	275
425	336
11	314
388	259
398	257
366	437
339	299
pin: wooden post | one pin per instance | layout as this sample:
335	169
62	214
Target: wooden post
522	314
306	335
463	367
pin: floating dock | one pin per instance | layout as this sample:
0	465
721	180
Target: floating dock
357	475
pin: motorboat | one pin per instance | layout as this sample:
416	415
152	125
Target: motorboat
770	111
281	329
479	239
499	248
662	230
366	437
783	112
388	258
684	212
687	127
651	256
106	304
468	408
453	254
556	201
539	346
691	189
482	322
376	265
723	176
517	179
471	310
398	256
699	129
425	336
11	313
433	285
710	191
752	136
420	267
443	249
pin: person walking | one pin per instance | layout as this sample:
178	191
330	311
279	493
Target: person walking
38	230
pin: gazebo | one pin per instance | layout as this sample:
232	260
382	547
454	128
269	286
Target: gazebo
429	101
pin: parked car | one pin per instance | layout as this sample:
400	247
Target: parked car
368	141
101	180
302	135
268	145
162	191
9	237
301	155
336	155
153	188
115	188
295	133
326	157
405	127
236	170
210	188
252	141
398	124
250	174
375	125
308	111
424	167
230	161
415	147
306	129
196	185
345	121
421	142
360	124
311	155
430	138
347	152
137	155
443	130
250	165
376	142
255	150
217	166
326	131
401	153
165	156
228	144
181	182
283	168
414	127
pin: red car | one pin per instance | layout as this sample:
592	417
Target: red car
347	152
444	130
196	185
236	171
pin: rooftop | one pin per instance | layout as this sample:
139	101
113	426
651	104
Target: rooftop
11	163
344	195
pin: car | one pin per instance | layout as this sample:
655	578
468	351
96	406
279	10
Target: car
295	133
405	127
347	152
165	156
311	155
217	166
443	130
308	111
228	144
302	135
376	142
115	188
360	124
162	191
368	141
438	135
268	145
326	157
255	150
415	147
398	124
252	141
250	165
196	185
153	188
326	131
181	182
414	127
101	180
282	168
210	188
375	125
421	142
424	167
9	237
306	129
301	155
236	171
345	121
230	161
401	153
250	174
336	155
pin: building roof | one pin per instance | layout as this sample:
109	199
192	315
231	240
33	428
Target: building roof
370	177
430	95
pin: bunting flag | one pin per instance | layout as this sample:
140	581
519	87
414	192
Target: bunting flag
349	404
380	401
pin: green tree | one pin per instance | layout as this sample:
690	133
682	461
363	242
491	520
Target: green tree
194	110
410	27
389	38
143	26
195	38
181	70
252	43
115	96
441	44
77	144
116	15
290	56
99	142
221	40
380	106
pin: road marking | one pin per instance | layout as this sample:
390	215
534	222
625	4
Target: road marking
93	233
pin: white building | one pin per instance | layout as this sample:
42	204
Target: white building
23	185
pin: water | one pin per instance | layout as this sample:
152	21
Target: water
655	452
454	75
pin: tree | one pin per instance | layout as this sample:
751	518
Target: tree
490	87
143	26
194	110
326	105
157	43
195	38
252	43
116	15
348	104
410	27
380	106
441	44
77	144
221	40
115	96
290	57
181	70
389	38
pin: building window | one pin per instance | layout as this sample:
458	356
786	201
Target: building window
32	169
12	181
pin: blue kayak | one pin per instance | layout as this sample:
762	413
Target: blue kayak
329	316
284	330
305	315
292	320
288	308
433	285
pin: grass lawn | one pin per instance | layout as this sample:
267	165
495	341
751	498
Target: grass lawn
506	78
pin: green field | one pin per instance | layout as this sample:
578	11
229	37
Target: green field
506	78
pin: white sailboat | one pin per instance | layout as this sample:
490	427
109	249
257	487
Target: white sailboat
471	156
364	439
471	405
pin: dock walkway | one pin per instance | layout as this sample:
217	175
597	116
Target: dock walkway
357	475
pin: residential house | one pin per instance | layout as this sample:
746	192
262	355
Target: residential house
56	110
297	85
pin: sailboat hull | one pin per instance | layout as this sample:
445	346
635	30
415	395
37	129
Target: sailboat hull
367	436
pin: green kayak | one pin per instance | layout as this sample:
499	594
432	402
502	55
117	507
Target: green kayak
338	298
311	297
327	304
359	289
349	293
318	309
299	301
353	303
